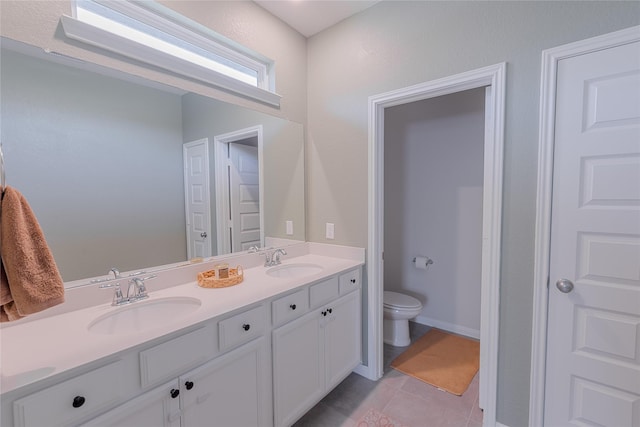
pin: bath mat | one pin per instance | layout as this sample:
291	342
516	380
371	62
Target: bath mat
374	418
443	360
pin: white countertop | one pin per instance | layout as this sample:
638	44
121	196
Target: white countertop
45	347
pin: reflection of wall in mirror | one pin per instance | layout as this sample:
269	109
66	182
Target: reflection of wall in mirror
283	157
100	161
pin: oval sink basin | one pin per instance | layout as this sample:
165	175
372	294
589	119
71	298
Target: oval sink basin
294	270
143	315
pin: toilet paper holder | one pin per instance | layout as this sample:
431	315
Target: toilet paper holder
427	261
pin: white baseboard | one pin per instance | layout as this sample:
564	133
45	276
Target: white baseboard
449	327
366	372
500	425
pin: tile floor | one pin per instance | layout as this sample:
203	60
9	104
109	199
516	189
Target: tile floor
396	400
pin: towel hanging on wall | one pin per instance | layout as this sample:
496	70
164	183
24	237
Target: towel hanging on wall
29	278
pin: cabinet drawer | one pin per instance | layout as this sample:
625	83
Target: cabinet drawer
349	281
242	327
323	292
290	306
173	357
72	400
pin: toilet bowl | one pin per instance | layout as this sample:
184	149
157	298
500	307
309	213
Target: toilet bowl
397	310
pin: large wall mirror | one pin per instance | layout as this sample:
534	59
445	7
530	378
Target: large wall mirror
104	159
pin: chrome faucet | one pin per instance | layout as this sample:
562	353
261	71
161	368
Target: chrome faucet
273	258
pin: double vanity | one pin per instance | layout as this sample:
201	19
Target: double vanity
259	353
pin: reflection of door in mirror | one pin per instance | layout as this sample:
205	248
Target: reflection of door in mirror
244	192
239	190
197	203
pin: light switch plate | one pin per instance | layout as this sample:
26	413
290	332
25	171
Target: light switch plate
289	228
330	231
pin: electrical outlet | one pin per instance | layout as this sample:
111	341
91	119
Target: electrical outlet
330	231
289	228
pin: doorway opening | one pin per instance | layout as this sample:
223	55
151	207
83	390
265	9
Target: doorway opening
492	79
239	190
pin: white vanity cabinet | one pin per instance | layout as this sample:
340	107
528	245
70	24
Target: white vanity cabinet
159	407
232	390
250	364
316	351
72	400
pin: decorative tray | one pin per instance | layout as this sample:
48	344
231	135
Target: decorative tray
208	279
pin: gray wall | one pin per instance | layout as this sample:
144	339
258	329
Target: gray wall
395	44
100	162
433	176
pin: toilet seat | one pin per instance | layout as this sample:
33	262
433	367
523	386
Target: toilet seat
396	300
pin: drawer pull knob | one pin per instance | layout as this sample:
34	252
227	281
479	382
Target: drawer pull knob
330	310
324	313
246	326
175	393
189	385
353	281
78	401
293	306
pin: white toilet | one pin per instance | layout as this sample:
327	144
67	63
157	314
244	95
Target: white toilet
398	309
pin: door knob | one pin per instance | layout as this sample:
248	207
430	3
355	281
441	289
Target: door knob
203	234
564	285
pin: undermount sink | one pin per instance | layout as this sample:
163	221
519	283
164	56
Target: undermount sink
294	270
139	316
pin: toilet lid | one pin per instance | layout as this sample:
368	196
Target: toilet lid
396	299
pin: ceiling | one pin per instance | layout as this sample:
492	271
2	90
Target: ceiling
309	17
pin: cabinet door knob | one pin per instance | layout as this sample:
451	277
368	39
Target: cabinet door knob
189	385
293	306
174	393
353	280
324	313
78	401
330	310
246	326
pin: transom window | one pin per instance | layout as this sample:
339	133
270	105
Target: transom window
152	33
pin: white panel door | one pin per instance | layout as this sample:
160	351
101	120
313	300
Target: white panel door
197	198
593	334
244	191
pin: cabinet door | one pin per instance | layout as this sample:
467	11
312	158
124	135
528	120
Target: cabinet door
155	408
231	390
298	368
342	338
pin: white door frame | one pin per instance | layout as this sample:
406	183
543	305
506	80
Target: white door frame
221	143
494	78
550	59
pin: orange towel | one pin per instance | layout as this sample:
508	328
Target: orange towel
29	279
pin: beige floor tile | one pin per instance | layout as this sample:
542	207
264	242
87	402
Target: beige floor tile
412	410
